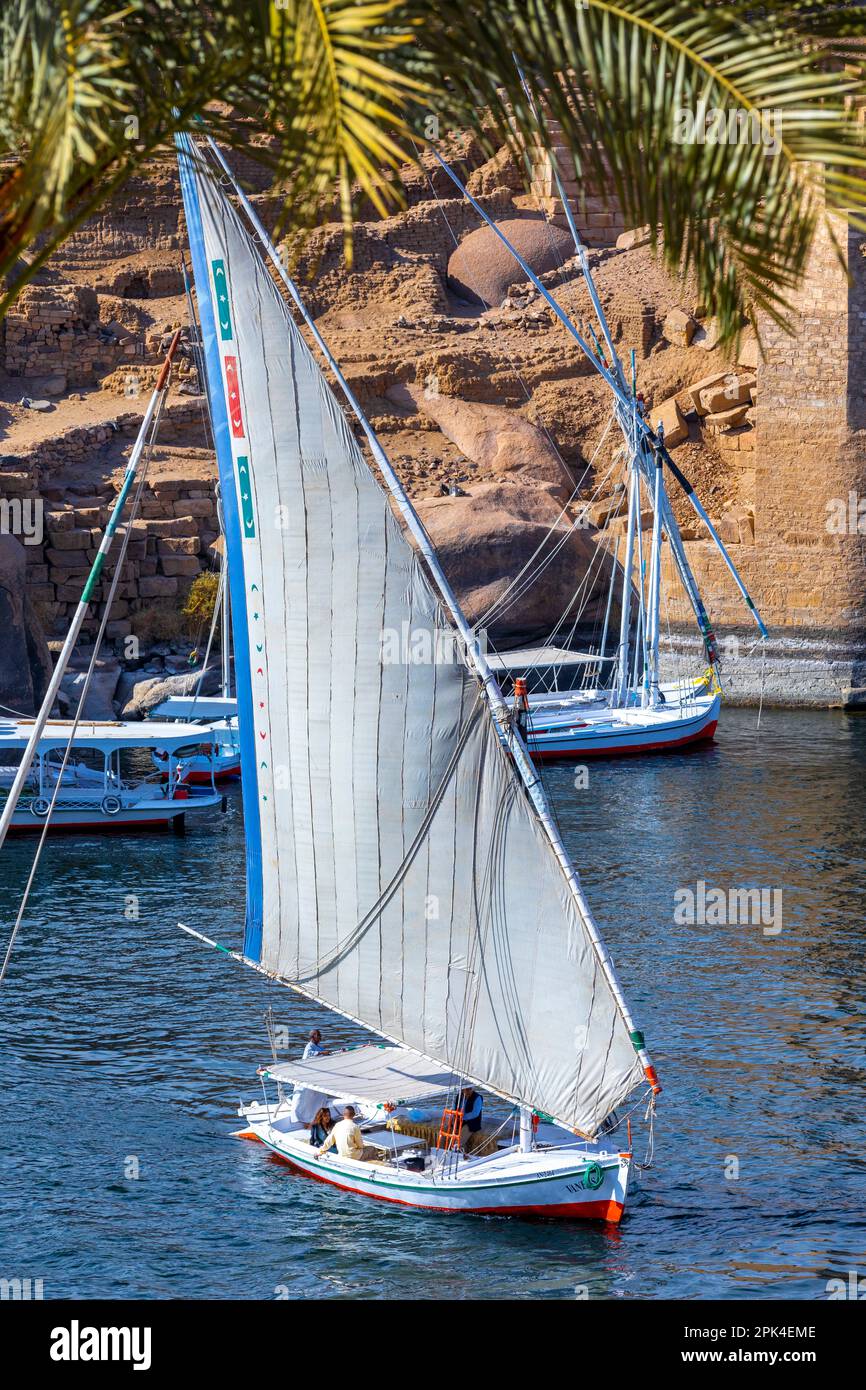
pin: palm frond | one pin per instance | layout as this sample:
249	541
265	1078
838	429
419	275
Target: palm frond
635	86
332	95
341	101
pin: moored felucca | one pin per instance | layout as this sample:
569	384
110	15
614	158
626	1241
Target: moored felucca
403	866
632	710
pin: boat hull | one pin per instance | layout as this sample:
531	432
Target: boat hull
83	819
631	732
548	1184
200	776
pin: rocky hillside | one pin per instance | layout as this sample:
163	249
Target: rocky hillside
494	421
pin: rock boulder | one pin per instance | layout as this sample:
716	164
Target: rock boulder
25	662
482	268
100	695
484	540
669	416
148	693
497	438
679	327
636	236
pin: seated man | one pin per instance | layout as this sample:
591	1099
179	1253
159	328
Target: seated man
471	1103
348	1140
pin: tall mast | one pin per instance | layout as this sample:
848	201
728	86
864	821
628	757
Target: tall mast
603	648
651	685
620	699
225	608
474	656
225	619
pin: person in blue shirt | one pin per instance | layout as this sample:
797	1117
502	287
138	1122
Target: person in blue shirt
314	1046
321	1126
305	1099
471	1103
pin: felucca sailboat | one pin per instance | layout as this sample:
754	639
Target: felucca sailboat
621	705
403	865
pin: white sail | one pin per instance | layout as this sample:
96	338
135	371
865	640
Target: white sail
397	870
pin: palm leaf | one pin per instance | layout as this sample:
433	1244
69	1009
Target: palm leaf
340	92
616	76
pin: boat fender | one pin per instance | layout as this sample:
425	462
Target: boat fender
111	805
40	807
593	1176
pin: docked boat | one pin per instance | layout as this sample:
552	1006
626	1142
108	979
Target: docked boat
403	865
216	760
573	729
97	792
612	700
582	723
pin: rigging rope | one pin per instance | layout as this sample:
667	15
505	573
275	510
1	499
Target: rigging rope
79	713
496	607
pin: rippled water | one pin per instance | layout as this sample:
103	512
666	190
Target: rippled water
125	1042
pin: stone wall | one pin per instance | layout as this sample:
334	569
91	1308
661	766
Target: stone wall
56	333
596	210
170	541
806	564
168	546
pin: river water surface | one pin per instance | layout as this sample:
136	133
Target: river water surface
125	1047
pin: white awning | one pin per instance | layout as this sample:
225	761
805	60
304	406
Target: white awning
372	1072
196	707
108	734
528	657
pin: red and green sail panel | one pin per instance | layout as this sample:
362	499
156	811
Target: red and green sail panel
234	397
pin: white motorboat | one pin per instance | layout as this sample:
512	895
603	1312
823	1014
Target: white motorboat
97	792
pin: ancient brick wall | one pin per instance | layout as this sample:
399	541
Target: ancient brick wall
805	569
56	332
597	214
170	541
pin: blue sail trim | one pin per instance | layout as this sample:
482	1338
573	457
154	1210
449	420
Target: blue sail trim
233	533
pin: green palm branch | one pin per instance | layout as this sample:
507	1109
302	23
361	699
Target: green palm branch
635	85
334	96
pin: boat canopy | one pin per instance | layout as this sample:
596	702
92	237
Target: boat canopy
190	707
540	656
374	1072
107	735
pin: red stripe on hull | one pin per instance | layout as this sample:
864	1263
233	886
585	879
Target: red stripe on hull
200	779
106	827
586	1211
704	734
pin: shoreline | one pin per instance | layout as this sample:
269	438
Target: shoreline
816	671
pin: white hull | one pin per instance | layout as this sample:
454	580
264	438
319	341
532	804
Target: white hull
560	728
81	811
577	1181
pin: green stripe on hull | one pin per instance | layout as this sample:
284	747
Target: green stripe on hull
439	1188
